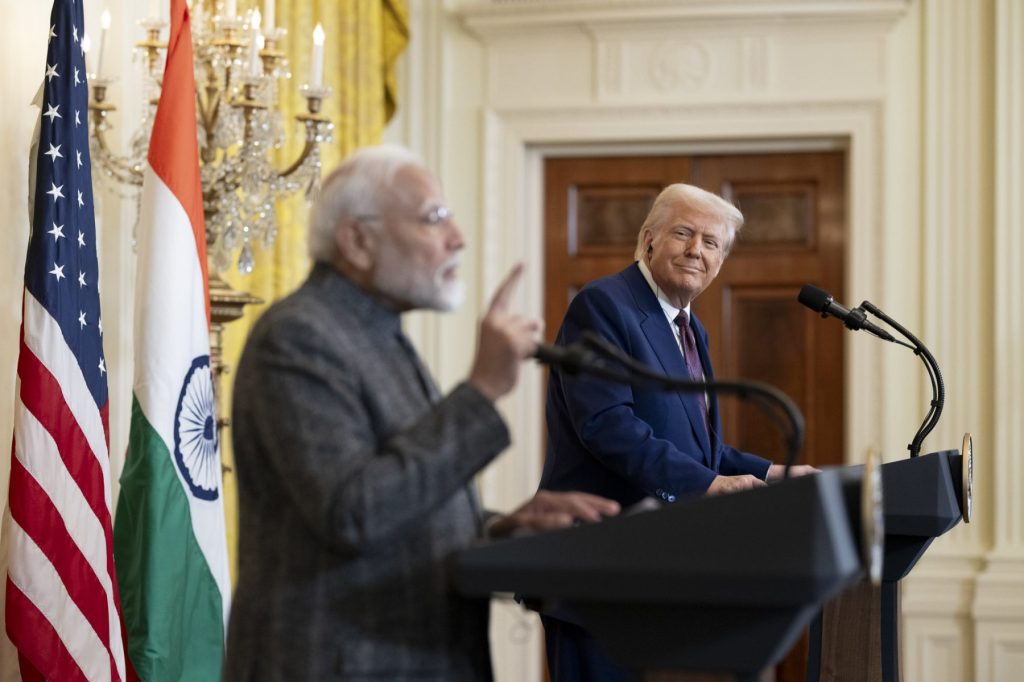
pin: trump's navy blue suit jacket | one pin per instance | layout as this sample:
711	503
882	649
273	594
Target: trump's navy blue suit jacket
629	443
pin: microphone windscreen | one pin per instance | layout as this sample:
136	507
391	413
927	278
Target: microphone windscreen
814	298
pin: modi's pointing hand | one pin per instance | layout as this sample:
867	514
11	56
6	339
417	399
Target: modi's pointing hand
506	338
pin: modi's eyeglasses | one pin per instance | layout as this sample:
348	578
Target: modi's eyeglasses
439	215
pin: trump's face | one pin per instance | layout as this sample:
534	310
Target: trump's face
418	255
685	251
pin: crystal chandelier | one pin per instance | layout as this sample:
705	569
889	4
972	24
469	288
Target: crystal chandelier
238	64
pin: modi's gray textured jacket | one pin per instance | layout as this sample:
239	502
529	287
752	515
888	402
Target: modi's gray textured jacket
355	488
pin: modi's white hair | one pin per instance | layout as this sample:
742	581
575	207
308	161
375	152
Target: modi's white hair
354	190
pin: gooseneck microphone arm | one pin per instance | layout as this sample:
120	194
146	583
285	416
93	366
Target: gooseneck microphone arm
593	354
822	302
934	375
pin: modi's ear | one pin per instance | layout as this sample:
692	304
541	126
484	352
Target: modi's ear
357	245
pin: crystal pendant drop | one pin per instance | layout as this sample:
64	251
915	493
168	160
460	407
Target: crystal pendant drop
230	236
245	260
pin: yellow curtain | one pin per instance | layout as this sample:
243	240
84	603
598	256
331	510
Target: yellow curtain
363	40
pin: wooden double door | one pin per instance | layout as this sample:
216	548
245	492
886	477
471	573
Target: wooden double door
794	233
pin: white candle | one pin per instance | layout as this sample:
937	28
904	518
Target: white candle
316	62
255	45
154	13
230	8
268	16
104	25
257	65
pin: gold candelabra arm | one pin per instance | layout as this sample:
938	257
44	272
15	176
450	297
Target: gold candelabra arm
152	46
208	100
318	127
230	42
121	168
307	148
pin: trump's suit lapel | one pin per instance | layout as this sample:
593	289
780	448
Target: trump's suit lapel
661	337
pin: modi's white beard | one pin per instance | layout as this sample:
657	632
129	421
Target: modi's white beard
418	289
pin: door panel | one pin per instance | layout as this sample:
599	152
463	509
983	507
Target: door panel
793	234
593	209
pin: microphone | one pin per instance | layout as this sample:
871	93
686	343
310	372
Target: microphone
572	358
820	301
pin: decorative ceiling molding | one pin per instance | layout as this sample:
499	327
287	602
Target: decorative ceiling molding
497	17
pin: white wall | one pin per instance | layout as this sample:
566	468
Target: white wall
22	55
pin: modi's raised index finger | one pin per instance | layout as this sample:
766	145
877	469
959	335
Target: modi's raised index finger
504	292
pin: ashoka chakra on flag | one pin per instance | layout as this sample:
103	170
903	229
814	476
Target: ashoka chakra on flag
195	431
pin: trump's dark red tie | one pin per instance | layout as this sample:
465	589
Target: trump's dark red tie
692	358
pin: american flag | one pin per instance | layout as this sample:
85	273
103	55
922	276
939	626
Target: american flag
62	610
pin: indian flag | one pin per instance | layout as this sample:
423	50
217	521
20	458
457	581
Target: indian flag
169	538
